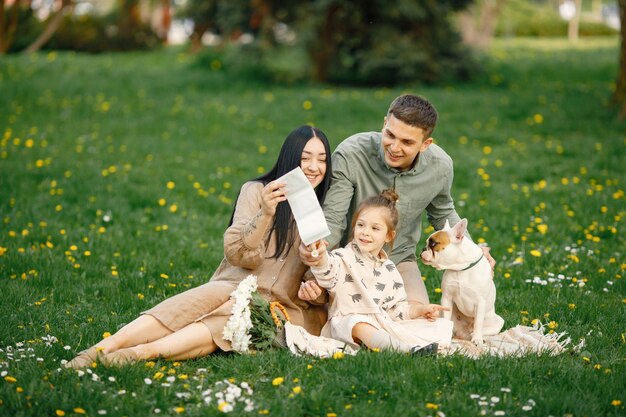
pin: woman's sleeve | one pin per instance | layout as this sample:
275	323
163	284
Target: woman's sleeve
239	249
328	274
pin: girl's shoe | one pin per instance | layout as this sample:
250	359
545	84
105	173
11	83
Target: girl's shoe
427	350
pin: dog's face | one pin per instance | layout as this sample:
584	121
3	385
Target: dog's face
441	249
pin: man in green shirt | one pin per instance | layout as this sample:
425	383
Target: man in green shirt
402	157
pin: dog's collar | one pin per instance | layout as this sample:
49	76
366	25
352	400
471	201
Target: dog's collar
473	264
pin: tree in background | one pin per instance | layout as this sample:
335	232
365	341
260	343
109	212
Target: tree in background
9	17
477	23
385	43
619	97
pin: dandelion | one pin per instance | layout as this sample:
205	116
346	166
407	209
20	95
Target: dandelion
616	403
277	381
432	406
179	410
106	334
307	105
170	185
535	253
297	390
338	355
60	413
10	379
79	410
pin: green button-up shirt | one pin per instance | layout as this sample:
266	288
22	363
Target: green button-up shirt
360	171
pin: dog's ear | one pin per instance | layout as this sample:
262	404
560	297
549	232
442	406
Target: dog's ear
459	229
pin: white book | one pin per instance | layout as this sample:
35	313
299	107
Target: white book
304	206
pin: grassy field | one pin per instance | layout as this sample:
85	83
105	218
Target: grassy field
117	179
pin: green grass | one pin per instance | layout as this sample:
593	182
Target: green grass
91	234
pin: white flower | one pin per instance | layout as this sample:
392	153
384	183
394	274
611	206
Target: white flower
148	381
237	326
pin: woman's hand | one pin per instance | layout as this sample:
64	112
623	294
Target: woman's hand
272	194
309	290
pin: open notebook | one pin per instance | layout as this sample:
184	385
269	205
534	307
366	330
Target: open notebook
305	207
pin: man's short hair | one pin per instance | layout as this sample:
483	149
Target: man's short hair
415	111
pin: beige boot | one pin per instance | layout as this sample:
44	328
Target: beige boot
85	358
120	358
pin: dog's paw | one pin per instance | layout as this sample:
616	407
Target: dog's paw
478	341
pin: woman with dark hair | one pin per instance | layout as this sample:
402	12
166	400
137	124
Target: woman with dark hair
261	240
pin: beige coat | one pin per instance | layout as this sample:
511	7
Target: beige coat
277	279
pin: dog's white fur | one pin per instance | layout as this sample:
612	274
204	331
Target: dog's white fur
469	291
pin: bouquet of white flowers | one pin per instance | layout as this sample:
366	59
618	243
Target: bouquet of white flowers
254	324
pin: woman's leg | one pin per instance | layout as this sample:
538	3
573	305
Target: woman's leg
143	329
192	341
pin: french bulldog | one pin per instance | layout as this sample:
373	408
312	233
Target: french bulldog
467	285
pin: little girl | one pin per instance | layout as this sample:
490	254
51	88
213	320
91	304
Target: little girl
368	303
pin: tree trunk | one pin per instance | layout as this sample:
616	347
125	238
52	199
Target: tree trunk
129	18
166	18
478	23
572	27
8	27
322	51
619	96
53	24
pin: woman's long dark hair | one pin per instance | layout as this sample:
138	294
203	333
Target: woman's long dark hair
290	157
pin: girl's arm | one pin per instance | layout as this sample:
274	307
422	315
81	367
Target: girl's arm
328	268
427	311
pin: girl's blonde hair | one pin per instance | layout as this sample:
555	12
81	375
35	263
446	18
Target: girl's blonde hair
386	199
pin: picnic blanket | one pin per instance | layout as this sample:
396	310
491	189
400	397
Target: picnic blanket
514	342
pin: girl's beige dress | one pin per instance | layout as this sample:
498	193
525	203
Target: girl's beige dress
277	279
369	289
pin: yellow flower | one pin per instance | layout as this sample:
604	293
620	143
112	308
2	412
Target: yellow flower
297	390
170	185
277	381
222	405
264	411
3	251
616	403
535	253
162	202
307	105
79	410
60	413
182	409
542	228
432	406
331	414
338	355
10	379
